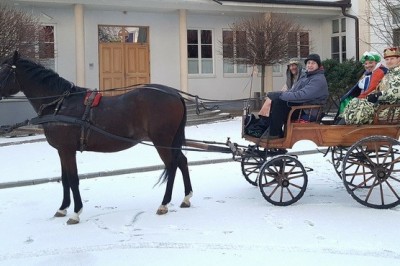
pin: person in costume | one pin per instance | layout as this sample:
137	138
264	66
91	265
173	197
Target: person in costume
369	81
388	91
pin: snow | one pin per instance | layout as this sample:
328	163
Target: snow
229	223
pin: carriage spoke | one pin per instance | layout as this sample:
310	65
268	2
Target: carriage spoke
290	192
273	191
370	191
299	175
295	185
362	184
392	189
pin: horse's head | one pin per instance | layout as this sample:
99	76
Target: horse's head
8	81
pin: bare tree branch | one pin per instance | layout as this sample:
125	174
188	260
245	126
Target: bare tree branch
266	41
18	31
261	40
384	21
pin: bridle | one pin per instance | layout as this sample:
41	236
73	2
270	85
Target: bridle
59	98
12	71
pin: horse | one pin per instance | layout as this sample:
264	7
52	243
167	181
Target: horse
151	112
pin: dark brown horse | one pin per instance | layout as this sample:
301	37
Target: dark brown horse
152	112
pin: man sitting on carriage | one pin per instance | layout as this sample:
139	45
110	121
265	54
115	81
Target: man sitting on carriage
312	89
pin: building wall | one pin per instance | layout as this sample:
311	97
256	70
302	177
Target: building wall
164	48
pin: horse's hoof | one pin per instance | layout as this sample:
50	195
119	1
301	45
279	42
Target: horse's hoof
74	218
72	221
186	201
60	213
185	204
162	210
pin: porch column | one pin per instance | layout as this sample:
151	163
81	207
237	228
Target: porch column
79	45
183	50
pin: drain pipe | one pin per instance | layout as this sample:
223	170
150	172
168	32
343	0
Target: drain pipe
357	30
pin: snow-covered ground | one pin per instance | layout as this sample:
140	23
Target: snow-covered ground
229	222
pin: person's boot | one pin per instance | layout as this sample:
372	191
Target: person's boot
260	127
264	122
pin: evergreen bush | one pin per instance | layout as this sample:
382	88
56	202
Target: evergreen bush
341	77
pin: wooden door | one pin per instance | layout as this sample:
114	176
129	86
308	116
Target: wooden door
122	65
136	64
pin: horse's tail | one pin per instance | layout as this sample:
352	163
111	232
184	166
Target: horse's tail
177	143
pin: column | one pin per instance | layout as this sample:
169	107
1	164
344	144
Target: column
183	50
79	45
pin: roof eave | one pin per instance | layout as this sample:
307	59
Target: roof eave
341	4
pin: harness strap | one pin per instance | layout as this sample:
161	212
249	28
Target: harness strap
88	109
76	121
233	147
57	101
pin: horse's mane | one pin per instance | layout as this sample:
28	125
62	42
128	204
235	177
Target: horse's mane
47	77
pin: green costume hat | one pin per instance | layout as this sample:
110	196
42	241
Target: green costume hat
370	56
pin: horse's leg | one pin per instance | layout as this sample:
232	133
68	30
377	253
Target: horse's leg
62	211
183	166
170	172
70	171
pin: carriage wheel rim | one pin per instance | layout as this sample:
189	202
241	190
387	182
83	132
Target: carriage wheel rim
282	180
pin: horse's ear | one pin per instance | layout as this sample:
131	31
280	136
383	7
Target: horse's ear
15	56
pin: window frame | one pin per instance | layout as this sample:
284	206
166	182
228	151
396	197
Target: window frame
339	38
396	37
199	53
299	46
54	46
234	46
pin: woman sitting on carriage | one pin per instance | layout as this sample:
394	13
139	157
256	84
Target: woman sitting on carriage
356	97
388	91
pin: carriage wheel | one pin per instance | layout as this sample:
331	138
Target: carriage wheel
338	154
250	168
282	180
371	172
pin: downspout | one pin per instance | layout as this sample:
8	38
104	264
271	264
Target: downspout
357	30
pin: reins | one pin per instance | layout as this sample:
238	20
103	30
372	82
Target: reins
83	123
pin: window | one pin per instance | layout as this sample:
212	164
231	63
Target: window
396	15
200	52
46	47
42	49
396	24
299	44
396	37
234	49
125	34
338	40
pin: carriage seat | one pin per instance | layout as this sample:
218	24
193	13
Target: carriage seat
387	114
306	114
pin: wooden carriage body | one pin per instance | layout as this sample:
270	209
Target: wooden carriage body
333	135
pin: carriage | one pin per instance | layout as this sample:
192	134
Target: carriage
365	157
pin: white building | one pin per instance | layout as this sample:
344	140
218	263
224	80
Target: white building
178	42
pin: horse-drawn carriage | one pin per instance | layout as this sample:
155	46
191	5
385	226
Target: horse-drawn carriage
365	157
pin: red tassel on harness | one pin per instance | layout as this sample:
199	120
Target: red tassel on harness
96	99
